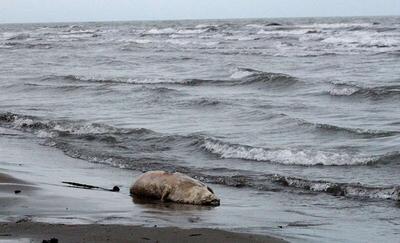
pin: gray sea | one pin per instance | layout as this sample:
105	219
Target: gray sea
303	114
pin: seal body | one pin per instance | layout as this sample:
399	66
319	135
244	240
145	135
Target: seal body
175	187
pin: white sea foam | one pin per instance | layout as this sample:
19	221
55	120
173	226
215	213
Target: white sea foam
156	31
283	32
210	43
146	81
205	26
178	42
335	25
343	91
241	38
185	42
241	73
140	41
75	36
191	31
363	38
257	26
44	134
88	128
282	156
22	122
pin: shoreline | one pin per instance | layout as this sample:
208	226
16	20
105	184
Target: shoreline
35	206
24	229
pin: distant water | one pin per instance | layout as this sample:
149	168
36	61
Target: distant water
296	106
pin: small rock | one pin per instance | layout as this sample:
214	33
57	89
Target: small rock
115	189
17	191
23	220
52	240
273	24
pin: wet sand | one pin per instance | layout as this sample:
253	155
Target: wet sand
35	205
13	190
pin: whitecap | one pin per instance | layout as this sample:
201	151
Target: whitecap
44	134
22	122
178	42
241	38
156	31
257	26
76	129
139	41
343	91
191	31
241	73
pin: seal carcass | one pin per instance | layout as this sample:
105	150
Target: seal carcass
175	187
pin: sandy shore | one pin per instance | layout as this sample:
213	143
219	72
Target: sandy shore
19	196
35	205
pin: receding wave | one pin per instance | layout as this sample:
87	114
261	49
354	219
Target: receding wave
342	189
379	92
275	182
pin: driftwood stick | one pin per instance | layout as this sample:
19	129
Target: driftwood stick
86	186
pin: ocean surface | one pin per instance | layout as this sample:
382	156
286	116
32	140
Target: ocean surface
304	111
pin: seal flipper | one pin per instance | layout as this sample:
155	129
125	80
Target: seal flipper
165	194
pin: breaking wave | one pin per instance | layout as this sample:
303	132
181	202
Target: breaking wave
246	76
101	143
283	156
79	78
225	150
243	76
183	31
379	92
53	128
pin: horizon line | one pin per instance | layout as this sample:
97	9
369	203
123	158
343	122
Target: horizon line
194	19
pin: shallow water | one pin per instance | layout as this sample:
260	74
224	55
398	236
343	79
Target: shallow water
304	109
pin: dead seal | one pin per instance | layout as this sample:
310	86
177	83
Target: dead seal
175	187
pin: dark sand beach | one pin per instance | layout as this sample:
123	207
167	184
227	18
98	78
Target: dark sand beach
28	203
14	191
37	232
